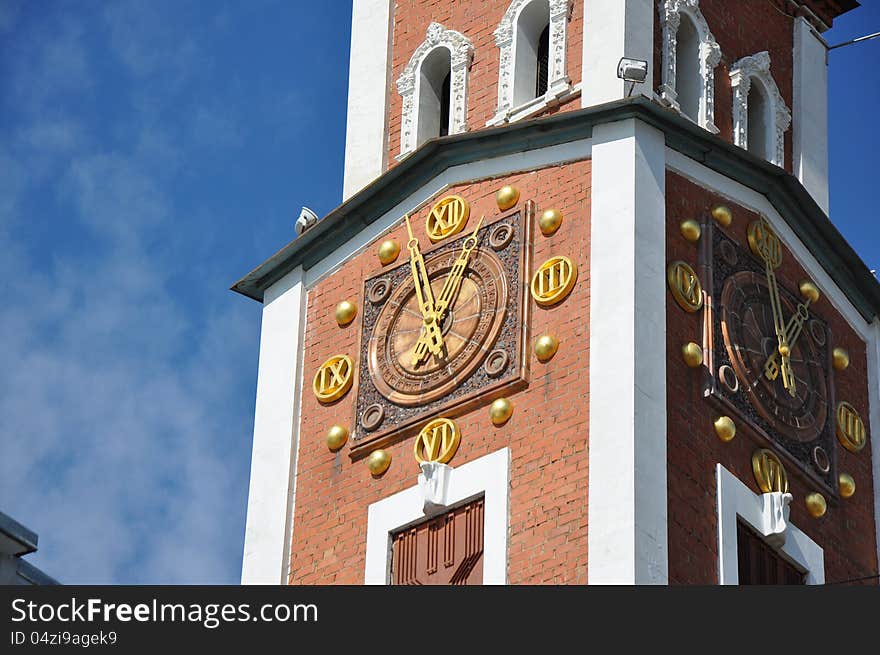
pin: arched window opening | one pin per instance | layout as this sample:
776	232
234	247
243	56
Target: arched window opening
760	115
433	111
533	19
688	81
532	78
689	55
434	88
543	62
758	121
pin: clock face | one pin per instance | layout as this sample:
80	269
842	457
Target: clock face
481	330
469	328
743	374
750	340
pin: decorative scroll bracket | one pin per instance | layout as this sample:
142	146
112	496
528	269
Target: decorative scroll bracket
775	511
434	485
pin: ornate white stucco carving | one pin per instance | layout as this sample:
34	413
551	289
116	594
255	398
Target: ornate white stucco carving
741	75
461	54
558	82
710	56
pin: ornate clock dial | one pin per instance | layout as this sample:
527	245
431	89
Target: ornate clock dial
469	328
748	331
417	365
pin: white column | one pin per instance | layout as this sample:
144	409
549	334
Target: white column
276	434
873	348
366	129
810	112
627	489
615	29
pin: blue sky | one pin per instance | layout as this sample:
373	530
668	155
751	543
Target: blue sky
150	154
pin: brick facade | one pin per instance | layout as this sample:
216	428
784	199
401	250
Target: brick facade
847	532
547	434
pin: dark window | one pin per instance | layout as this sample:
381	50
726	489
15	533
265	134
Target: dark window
543	62
759	563
444	105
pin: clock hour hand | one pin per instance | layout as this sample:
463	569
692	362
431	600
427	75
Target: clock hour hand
450	288
424	295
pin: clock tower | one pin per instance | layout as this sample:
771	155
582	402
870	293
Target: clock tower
572	324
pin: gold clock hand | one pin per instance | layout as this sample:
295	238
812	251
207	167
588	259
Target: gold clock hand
450	288
793	332
424	294
767	251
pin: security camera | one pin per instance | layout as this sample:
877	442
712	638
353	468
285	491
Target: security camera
306	219
632	70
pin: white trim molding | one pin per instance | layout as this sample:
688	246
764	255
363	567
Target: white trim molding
742	75
735	499
627	509
710	57
461	53
487	476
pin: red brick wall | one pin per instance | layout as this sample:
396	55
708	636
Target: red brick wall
477	21
846	532
547	434
742	28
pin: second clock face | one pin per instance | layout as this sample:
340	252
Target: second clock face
750	339
469	327
743	371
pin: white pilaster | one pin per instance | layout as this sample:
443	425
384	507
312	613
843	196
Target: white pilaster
366	129
615	29
627	489
276	433
810	112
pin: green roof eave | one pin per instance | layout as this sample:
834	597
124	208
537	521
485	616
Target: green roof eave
782	190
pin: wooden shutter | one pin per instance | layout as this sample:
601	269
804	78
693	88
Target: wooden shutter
447	549
759	563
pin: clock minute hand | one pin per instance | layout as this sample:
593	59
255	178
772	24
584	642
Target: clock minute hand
793	332
450	288
424	294
776	308
453	280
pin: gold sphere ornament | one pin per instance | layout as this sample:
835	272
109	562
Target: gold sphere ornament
816	505
345	312
723	215
388	251
545	347
507	197
847	485
692	354
500	411
840	357
378	462
690	230
550	221
337	435
725	428
809	290
785	351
